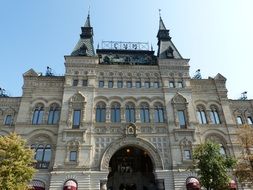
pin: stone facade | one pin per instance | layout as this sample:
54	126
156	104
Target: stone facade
70	120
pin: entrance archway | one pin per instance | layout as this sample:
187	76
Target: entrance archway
131	168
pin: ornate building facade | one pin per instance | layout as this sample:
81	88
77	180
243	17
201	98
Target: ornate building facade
121	117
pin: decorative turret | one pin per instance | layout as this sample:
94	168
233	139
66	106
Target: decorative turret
84	47
166	49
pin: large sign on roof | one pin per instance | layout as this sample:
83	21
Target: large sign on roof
125	45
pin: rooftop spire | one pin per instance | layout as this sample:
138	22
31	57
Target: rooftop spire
87	22
84	47
161	24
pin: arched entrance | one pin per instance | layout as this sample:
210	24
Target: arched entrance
131	168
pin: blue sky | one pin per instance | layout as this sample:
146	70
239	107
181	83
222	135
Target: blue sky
217	35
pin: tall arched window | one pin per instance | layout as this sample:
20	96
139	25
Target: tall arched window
38	114
201	115
130	112
115	113
159	114
100	112
54	114
42	155
214	115
144	113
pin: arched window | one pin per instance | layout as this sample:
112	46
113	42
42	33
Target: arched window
54	114
159	114
70	185
100	112
130	113
214	115
201	115
38	114
144	113
42	155
115	113
249	119
8	120
239	120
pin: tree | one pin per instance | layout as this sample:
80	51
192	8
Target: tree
244	168
16	163
211	166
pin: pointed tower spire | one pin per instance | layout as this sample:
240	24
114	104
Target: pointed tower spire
161	24
87	23
166	49
84	46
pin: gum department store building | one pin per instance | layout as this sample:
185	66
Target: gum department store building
121	117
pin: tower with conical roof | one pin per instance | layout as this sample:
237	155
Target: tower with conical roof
166	48
84	46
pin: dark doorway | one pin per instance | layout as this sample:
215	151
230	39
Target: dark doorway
131	169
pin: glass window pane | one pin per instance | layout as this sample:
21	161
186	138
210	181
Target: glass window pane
76	118
212	117
156	85
8	120
161	115
35	117
129	84
180	84
127	115
75	82
85	82
110	84
217	118
50	117
113	115
72	156
203	117
132	115
138	84
98	112
101	84
239	120
171	84
118	115
156	118
142	114
103	114
249	119
39	153
181	118
120	84
147	115
40	117
199	117
147	84
56	116
187	154
47	155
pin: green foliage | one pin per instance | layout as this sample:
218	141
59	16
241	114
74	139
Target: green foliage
244	168
211	166
16	163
